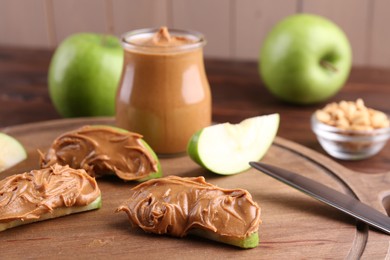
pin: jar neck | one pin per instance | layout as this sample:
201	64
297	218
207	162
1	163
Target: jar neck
141	41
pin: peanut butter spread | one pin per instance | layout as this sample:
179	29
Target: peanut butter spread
102	150
163	38
175	206
31	194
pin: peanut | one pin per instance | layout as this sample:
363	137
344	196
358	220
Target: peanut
349	115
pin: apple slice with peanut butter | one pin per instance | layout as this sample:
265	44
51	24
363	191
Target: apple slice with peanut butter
179	206
104	150
46	193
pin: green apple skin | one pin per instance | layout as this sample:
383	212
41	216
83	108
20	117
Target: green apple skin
192	148
84	74
305	59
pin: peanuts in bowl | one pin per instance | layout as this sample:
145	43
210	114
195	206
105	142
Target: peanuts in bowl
349	130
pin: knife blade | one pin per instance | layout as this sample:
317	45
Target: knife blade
334	198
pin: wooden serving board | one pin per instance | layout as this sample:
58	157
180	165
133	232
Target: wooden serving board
294	226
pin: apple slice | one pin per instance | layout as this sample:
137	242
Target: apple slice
11	151
55	213
104	150
228	148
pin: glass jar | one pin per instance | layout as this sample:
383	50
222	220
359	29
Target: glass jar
164	93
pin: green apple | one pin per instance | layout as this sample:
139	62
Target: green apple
84	74
305	59
228	148
11	151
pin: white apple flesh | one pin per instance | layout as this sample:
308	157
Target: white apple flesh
11	152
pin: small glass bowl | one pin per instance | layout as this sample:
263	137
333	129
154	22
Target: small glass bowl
349	144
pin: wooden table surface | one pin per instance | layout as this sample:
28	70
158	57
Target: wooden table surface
237	92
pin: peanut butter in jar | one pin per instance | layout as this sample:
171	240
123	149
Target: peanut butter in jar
164	93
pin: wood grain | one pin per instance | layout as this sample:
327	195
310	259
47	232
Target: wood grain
294	225
236	87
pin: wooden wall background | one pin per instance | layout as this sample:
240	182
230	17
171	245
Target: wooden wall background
234	28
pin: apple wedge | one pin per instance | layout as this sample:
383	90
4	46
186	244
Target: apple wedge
104	150
56	213
11	151
44	194
228	148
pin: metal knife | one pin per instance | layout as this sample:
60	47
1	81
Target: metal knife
334	198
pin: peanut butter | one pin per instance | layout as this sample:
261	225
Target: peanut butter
175	206
163	38
29	195
164	93
101	150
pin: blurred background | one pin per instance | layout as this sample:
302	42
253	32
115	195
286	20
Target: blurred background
234	28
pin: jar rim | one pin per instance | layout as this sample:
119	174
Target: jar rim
197	37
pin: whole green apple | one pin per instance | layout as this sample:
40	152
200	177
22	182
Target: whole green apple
305	59
84	74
